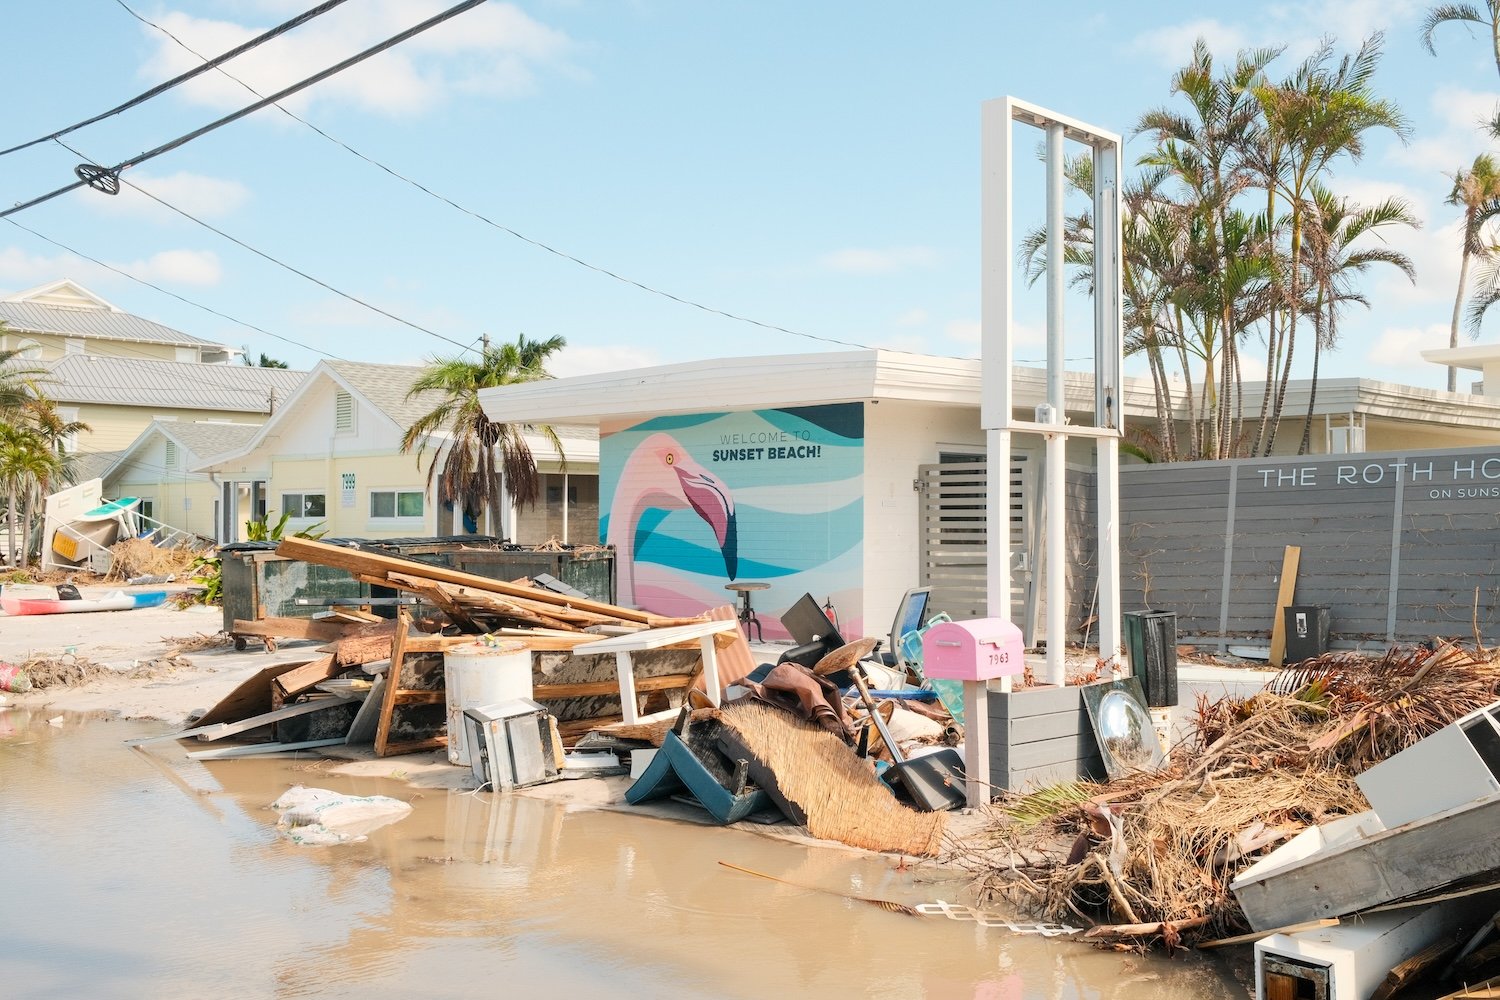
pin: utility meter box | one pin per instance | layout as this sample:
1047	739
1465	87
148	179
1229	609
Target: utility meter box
976	650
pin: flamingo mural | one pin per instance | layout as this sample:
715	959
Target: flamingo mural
661	474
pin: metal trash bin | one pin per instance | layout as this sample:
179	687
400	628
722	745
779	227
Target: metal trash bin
1151	643
1307	630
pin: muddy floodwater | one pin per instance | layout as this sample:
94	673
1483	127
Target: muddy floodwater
137	873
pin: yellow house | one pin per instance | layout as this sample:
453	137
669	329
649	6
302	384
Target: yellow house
158	467
117	372
331	456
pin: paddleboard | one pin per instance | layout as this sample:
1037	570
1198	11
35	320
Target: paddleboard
112	509
116	600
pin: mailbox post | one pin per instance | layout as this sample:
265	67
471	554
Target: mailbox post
974	652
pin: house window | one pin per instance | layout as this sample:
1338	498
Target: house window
396	503
303	504
29	350
73	345
171	457
343	411
69	415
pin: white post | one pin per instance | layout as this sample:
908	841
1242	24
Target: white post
1057	444
1108	407
565	508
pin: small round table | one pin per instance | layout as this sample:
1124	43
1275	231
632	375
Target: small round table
747	614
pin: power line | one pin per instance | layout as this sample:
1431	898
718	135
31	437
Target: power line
491	222
161	88
107	179
179	298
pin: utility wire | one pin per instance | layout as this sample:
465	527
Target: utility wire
161	88
107	179
179	298
491	222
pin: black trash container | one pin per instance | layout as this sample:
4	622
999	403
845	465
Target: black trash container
1151	642
1306	632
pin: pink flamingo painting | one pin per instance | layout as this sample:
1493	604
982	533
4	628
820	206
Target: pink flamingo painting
660	473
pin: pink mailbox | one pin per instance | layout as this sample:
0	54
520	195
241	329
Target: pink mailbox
976	650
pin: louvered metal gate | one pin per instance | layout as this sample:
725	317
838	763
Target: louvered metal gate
952	531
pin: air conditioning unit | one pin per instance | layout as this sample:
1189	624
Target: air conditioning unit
1346	440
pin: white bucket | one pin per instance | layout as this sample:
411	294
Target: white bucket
476	675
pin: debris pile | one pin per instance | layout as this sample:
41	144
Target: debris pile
1152	856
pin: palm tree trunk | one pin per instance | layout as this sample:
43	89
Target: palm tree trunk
26	523
10	516
1312	393
1458	305
1295	301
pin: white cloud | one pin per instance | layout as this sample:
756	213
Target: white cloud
865	261
1173	45
1402	346
170	267
912	317
197	194
589	360
964	331
493	49
179	267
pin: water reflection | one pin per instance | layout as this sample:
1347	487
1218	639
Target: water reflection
162	877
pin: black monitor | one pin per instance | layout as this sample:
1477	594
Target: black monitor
807	622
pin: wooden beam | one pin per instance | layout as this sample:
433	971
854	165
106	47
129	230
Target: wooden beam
1284	597
600	689
354	561
392	683
359	650
292	628
289	685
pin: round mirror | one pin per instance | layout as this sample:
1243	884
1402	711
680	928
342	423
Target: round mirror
1125	732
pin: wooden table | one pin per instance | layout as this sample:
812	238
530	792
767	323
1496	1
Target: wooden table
625	645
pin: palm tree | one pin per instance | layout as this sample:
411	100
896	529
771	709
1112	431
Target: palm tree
19	380
1476	189
1320	114
466	468
26	465
1334	262
1462	12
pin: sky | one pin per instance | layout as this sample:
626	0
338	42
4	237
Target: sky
807	166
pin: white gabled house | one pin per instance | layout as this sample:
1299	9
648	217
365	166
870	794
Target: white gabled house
331	456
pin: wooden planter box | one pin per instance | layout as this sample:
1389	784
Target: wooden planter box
1041	736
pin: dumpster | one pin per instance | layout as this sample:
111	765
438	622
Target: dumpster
589	570
1151	643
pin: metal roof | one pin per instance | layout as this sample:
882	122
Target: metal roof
80	378
105	324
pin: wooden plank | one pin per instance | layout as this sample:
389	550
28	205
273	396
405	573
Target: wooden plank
1306	925
359	650
324	554
1285	594
218	732
294	682
362	729
599	689
251	697
392	684
292	628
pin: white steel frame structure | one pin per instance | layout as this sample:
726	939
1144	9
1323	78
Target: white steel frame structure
999	118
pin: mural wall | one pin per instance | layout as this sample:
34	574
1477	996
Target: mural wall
700	500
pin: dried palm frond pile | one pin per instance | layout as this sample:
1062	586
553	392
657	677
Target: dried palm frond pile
69	670
1152	855
137	557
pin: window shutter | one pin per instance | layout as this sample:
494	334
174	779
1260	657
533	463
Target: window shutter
343	411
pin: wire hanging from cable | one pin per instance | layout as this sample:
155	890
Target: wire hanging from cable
162	88
107	179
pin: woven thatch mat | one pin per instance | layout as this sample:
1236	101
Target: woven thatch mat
838	792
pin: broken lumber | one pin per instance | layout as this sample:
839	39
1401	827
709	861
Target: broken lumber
359	650
292	628
1285	594
308	550
285	687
